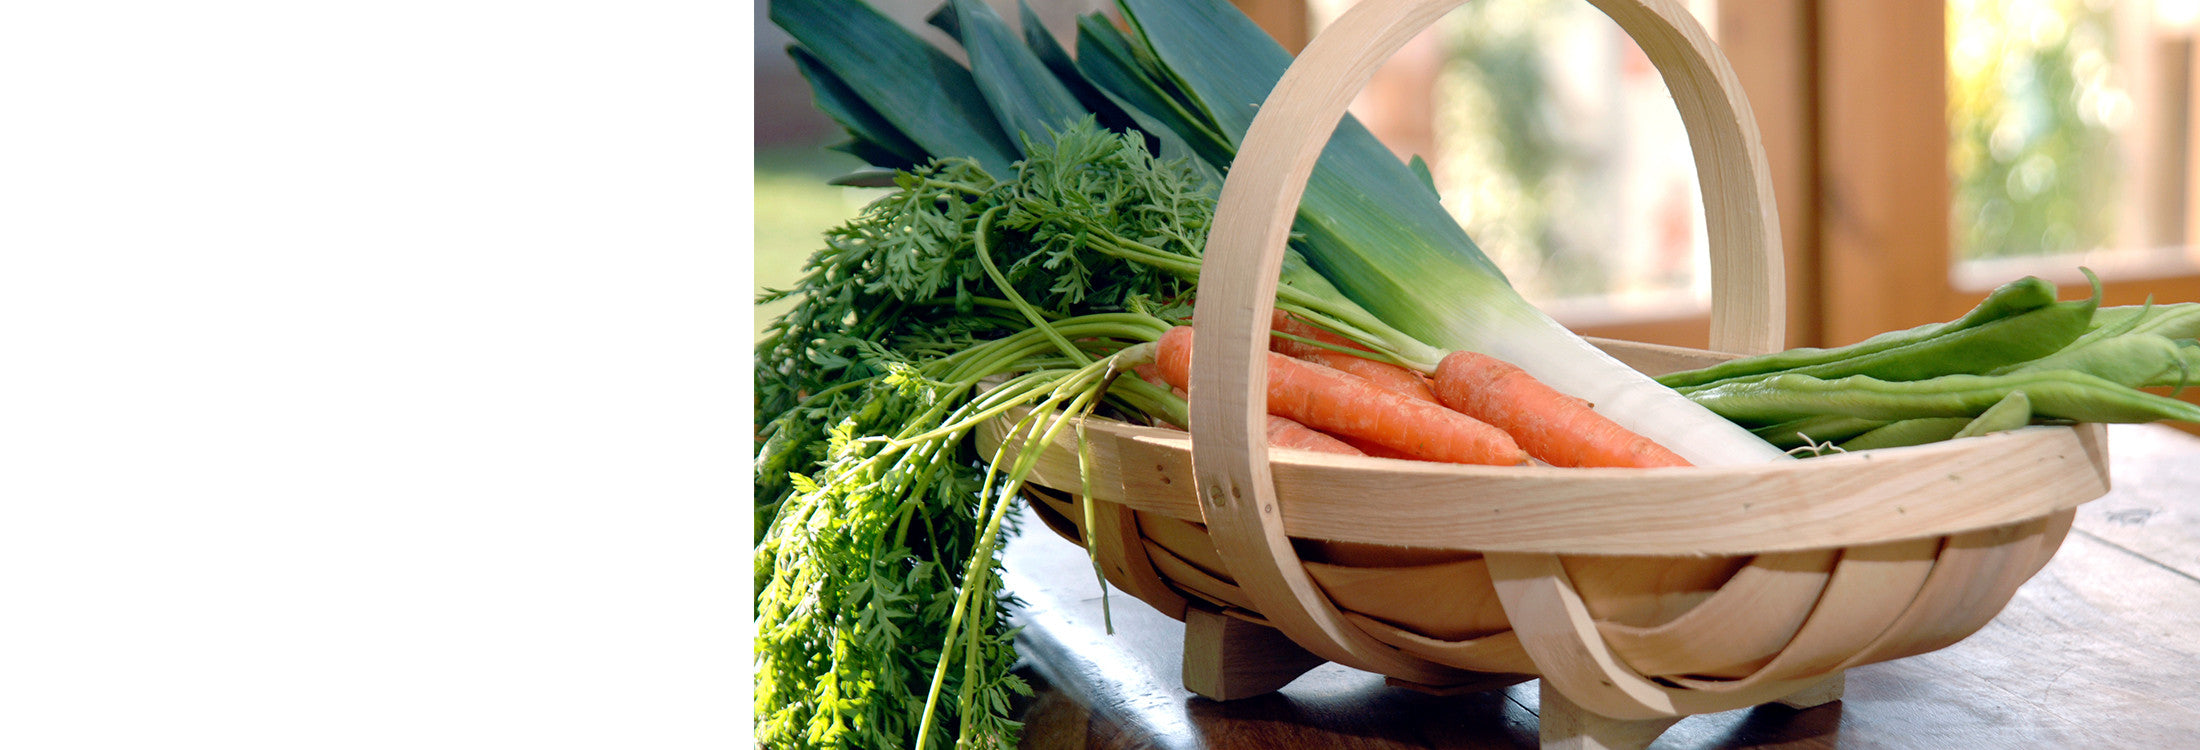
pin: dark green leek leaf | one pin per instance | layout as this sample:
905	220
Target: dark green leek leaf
1026	99
917	88
1058	62
876	141
1161	138
1428	178
943	18
874	154
1217	58
1361	197
1108	60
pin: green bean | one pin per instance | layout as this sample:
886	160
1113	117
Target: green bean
2011	412
2110	322
1928	349
1907	432
1796	433
2020	338
2137	360
2057	394
2176	321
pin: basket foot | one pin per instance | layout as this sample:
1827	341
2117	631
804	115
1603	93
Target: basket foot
1226	658
1565	726
1826	691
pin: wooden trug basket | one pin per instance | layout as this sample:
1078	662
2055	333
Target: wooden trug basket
1638	595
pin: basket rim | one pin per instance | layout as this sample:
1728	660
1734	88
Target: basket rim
1845	500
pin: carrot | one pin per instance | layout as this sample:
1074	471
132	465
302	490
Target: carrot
1383	374
1556	428
1152	374
1284	433
1377	451
1350	407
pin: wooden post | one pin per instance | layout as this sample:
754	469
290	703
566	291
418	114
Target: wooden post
1226	658
1566	726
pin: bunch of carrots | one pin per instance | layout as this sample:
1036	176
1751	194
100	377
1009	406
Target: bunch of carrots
1475	409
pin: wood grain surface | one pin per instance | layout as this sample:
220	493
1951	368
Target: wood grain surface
2100	649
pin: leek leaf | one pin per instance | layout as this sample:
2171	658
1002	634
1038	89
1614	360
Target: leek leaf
920	90
1369	225
1428	178
943	18
1058	62
1027	100
876	140
872	153
1107	59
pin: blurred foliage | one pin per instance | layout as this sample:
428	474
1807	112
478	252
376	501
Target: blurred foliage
1514	172
2033	114
1562	154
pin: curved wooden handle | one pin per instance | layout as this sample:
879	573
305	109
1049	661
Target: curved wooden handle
1245	253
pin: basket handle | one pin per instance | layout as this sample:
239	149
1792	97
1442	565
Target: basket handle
1252	223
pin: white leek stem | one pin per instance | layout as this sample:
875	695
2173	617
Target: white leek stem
1575	367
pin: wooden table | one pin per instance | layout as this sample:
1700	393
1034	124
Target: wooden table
2101	649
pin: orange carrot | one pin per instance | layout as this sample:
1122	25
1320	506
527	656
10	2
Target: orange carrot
1152	374
1377	451
1383	374
1348	406
1558	429
1284	433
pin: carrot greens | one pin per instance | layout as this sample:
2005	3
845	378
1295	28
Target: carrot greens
878	611
956	299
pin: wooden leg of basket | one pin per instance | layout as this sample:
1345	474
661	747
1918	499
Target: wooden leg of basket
1226	658
1565	726
1826	691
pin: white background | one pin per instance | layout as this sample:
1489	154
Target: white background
372	374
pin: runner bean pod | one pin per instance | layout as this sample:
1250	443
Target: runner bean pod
2058	394
2018	322
2137	360
1825	428
2011	412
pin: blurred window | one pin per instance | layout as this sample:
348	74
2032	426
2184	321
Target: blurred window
1554	142
2070	125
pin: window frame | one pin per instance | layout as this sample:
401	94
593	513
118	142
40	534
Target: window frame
1887	244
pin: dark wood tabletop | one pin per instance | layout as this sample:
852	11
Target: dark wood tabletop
2101	649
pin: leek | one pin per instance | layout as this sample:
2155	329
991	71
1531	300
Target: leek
1374	230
